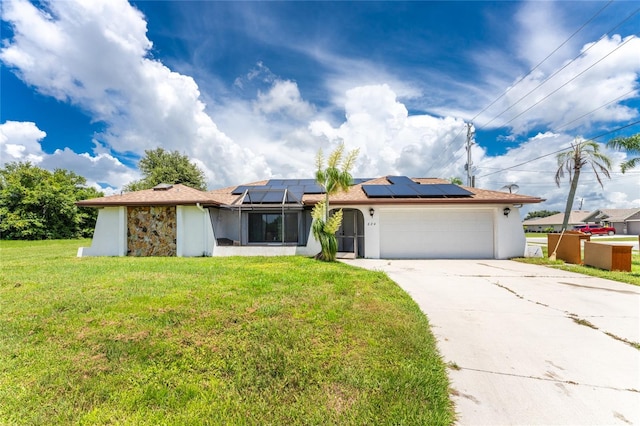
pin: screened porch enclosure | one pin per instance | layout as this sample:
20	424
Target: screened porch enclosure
262	216
273	228
350	235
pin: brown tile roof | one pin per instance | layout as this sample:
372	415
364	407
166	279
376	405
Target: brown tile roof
613	215
224	196
181	195
177	194
575	217
355	195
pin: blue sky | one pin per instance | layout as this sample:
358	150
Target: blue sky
251	90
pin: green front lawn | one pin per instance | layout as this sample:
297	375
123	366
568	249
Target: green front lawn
209	341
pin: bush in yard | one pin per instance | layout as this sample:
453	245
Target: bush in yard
36	204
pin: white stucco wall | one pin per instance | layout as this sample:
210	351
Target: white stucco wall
508	235
110	234
510	238
194	235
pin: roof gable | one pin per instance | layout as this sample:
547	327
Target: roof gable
176	194
308	193
612	215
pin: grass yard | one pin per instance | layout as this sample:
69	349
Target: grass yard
276	341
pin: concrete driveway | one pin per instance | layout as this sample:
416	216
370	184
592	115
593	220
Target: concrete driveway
528	344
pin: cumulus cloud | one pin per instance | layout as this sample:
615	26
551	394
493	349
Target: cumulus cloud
576	95
585	83
20	142
284	97
541	28
391	141
95	55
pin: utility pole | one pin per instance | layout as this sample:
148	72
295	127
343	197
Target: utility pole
468	166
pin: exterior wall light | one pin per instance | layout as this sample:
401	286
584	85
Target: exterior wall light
506	211
371	211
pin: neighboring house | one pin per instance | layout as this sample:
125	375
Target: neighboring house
553	223
387	217
626	221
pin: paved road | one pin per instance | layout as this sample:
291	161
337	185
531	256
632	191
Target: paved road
529	344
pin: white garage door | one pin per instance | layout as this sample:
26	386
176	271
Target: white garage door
436	234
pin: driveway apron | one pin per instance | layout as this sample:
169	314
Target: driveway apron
527	344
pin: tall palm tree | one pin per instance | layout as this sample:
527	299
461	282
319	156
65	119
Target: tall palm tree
631	144
334	177
572	161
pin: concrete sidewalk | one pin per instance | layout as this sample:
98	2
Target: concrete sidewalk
529	344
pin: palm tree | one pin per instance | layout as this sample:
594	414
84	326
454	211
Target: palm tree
572	161
335	177
631	144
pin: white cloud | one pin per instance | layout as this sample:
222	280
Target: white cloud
284	97
20	142
391	141
99	170
575	91
96	59
579	94
542	29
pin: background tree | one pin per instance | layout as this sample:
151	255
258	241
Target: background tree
572	161
333	178
37	204
631	144
456	180
540	213
160	166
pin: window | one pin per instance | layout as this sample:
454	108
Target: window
268	227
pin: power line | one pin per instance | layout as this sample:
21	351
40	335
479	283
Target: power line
592	111
555	73
560	150
570	80
543	61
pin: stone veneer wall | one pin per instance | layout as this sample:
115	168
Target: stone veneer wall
151	231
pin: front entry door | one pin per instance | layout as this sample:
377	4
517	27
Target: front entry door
350	236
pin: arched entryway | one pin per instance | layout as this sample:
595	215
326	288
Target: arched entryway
350	236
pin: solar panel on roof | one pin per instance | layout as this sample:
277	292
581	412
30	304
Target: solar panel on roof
254	196
429	191
377	191
452	190
297	190
276	182
293	197
240	189
357	181
400	180
403	191
313	189
273	196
